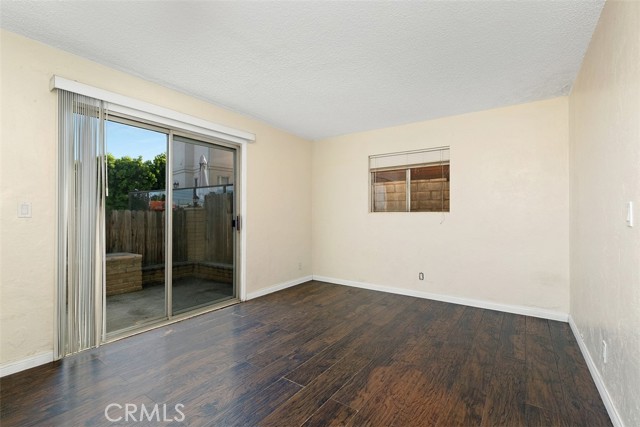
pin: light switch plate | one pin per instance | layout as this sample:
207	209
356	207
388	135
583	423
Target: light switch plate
24	210
630	214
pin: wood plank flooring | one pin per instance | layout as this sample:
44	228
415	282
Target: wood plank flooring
321	355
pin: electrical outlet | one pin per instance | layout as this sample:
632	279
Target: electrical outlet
421	276
604	351
299	266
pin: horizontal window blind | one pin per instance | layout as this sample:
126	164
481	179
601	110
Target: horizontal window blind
409	158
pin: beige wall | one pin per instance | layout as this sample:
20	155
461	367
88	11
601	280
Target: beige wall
278	218
506	237
605	174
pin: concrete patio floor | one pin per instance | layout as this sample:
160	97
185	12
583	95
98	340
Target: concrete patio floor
147	305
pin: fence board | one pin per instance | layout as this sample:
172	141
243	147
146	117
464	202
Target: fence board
219	234
142	232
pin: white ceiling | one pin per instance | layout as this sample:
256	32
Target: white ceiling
319	69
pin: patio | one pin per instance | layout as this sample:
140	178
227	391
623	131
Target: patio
140	307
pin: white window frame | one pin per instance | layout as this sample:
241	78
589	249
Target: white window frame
406	160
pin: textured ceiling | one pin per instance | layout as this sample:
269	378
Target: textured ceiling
320	69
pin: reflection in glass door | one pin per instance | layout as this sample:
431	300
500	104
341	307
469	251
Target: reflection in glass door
203	248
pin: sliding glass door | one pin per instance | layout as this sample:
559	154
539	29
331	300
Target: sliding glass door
203	237
171	200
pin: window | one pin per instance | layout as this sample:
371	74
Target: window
412	181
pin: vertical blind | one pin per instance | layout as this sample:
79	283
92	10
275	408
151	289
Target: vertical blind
82	174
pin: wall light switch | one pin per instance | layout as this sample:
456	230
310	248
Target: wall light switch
24	210
630	214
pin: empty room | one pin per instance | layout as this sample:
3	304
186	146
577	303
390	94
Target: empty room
320	213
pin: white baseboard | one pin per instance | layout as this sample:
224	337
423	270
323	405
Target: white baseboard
597	378
278	287
29	362
507	308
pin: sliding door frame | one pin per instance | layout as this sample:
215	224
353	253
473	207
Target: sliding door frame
237	196
239	172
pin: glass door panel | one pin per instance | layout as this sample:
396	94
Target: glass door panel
135	226
194	218
203	267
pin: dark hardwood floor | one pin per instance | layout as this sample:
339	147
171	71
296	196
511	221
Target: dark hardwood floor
321	355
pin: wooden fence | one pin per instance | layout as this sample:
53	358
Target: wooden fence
218	231
201	233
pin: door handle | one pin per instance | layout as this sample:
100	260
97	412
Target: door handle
235	223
